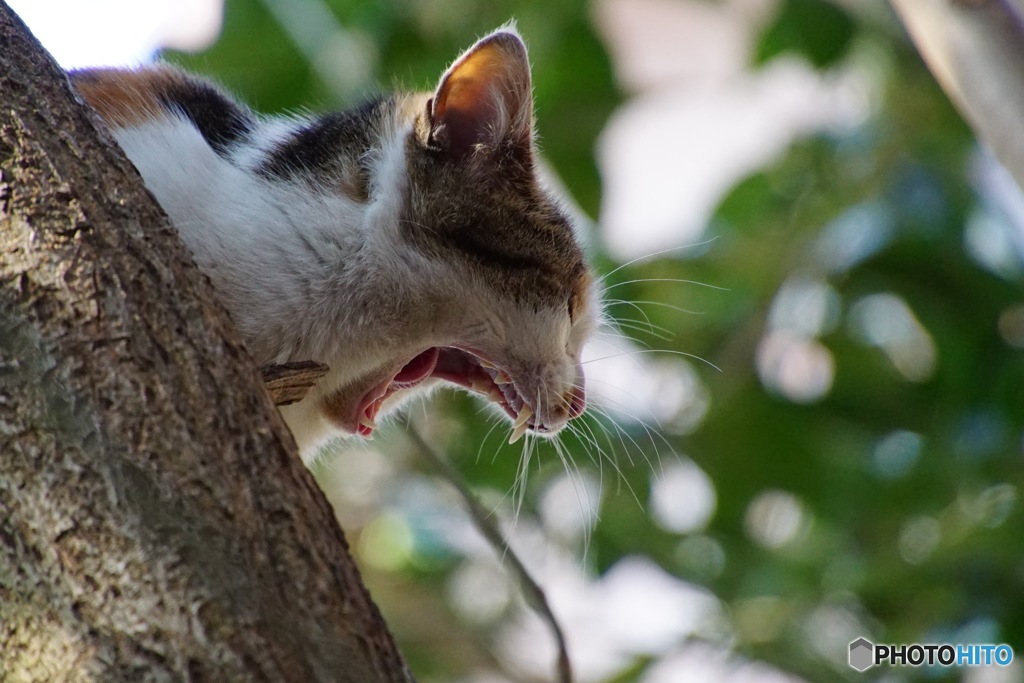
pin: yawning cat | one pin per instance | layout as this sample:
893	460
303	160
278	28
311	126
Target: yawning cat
403	242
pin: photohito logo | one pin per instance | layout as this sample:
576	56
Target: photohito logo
864	654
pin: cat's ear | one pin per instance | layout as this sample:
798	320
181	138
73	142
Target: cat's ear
484	102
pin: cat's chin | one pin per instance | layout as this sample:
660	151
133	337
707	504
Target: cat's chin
357	411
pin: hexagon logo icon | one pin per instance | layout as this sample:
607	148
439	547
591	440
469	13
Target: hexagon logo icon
862	654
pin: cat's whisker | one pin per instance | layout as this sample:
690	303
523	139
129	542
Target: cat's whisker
618	335
479	451
589	510
583	432
651	433
654	254
569	465
572	425
608	303
678	281
622	302
618	432
521	426
632	415
648	329
519	486
621	475
611	321
667	351
637	401
612	329
624	352
606	458
666	279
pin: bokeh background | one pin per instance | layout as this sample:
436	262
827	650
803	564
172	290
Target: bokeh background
808	405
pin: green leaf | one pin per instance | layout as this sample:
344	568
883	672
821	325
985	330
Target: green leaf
817	29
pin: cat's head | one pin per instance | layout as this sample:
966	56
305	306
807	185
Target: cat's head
507	300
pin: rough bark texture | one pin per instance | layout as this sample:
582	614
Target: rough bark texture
155	520
975	49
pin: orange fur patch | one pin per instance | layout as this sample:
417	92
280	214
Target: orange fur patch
126	97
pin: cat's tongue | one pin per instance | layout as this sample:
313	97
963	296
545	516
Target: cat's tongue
418	369
411	374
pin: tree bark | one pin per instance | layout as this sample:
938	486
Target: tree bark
156	522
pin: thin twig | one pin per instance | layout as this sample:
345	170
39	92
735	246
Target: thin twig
484	523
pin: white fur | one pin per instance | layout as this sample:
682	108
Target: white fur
250	235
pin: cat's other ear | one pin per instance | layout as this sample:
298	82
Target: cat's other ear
484	102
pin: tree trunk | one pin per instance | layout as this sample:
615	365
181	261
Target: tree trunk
156	522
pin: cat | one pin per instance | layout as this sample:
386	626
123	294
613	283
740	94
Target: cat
406	242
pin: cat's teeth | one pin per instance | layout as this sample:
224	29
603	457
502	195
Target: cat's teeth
517	433
489	366
487	388
521	424
500	377
525	414
367	421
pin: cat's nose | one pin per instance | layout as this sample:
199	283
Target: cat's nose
573	403
576	401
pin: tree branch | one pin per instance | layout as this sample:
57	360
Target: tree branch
975	48
488	528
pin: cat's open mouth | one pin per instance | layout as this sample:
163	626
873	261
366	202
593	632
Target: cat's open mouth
458	367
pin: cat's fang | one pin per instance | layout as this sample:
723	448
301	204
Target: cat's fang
524	415
501	377
517	433
521	424
367	422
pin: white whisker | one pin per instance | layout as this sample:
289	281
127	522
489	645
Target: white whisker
667	279
648	302
659	253
669	351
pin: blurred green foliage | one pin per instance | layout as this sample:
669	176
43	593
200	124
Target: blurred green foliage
820	31
909	485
